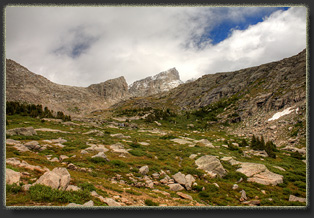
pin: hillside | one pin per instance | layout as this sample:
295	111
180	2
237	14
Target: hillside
228	139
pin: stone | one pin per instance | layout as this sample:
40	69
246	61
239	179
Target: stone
72	188
181	141
185	196
58	140
260	174
205	142
84	152
295	198
87	204
94	131
189	180
58	178
144	170
144	143
179	178
28	131
21	148
26	187
235	186
211	165
118	148
226	159
101	155
250	169
12	177
243	195
32	145
120	136
110	202
193	156
175	187
63	157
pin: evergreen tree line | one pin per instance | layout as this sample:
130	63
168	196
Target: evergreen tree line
33	110
259	144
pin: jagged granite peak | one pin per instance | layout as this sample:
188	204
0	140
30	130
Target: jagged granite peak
111	90
161	82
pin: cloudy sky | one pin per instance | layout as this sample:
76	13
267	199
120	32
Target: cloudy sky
86	45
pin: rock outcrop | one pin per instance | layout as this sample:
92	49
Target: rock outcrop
211	165
161	82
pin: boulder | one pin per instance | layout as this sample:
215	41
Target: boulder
32	145
12	177
179	178
144	170
175	187
87	204
28	131
189	179
63	157
206	143
260	174
211	165
185	196
250	169
101	155
295	198
58	178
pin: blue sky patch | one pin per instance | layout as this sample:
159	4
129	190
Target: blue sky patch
222	30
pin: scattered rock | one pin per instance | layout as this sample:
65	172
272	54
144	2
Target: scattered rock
118	148
235	186
185	196
205	142
175	187
94	131
144	170
243	195
28	131
192	156
120	136
101	155
12	177
87	204
295	198
63	157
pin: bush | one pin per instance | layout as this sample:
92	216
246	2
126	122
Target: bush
87	186
137	152
149	202
14	188
41	193
118	163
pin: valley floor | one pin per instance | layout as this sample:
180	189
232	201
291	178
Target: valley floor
124	162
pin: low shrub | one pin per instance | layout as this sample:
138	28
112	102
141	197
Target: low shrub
41	193
149	202
14	188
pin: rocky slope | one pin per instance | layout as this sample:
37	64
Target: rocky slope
161	82
25	86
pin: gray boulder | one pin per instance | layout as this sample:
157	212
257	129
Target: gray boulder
211	165
58	178
175	187
11	176
28	131
179	178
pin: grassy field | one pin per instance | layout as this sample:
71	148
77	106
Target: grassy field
158	152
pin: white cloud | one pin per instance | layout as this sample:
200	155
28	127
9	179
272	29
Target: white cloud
80	46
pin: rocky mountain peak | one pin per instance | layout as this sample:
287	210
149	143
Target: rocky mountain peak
163	81
113	89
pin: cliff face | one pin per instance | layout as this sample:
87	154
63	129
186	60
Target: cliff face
112	90
161	82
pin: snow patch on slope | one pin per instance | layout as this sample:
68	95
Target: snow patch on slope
280	114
